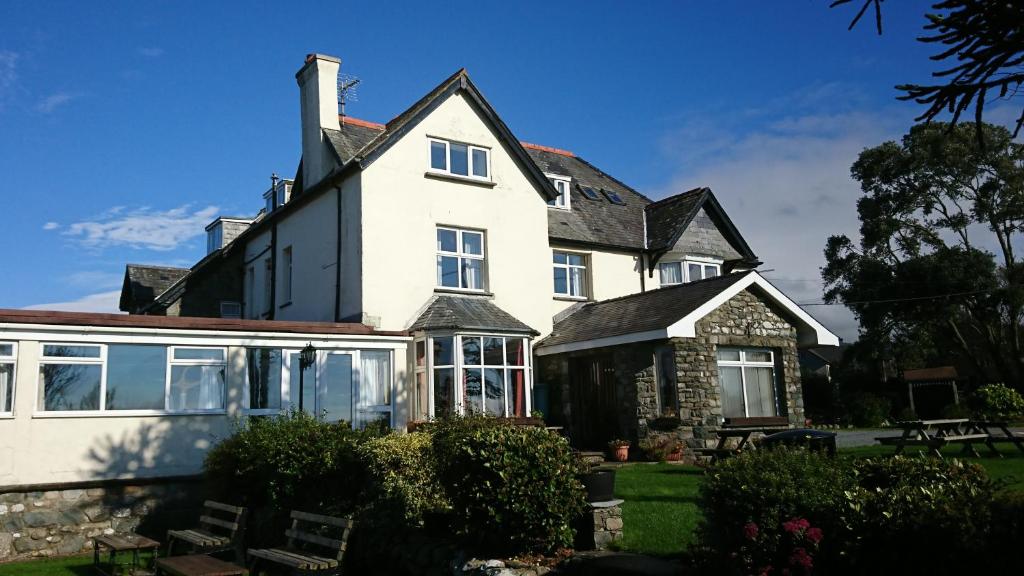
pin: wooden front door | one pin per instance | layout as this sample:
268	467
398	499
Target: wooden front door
594	418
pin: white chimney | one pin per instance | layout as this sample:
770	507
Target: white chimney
318	94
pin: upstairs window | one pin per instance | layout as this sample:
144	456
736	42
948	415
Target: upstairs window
460	259
561	184
570	272
671	273
459	159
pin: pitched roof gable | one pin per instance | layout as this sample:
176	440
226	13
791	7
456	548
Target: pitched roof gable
399	126
668	218
670	312
143	283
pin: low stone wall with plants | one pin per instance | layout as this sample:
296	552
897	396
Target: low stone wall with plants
63	520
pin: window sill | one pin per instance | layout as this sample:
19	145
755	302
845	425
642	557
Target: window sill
463	291
571	298
127	413
7	416
462	179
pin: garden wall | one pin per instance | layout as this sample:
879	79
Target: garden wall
58	520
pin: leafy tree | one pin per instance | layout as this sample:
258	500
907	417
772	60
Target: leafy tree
983	39
935	270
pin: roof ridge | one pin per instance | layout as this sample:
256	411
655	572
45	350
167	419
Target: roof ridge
735	275
136	265
543	148
360	122
700	189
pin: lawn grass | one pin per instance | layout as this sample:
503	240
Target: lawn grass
660	512
68	566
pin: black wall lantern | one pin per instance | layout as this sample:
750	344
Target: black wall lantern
307	357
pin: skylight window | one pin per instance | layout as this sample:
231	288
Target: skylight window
613	197
589	192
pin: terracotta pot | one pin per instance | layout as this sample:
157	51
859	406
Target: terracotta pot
675	456
621	453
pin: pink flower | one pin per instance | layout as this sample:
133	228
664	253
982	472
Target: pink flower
750	531
814	535
800	557
795	525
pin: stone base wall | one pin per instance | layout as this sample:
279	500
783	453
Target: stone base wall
599	528
63	521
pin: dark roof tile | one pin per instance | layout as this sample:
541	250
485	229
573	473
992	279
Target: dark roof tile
468	313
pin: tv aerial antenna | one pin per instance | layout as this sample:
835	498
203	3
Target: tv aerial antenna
347	90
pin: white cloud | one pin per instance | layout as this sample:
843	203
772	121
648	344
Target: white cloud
95	279
151	52
51	226
53	101
142	228
787	186
104	302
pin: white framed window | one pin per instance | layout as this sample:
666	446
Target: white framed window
459	159
570	274
688	270
286	272
460	259
477	374
562	185
197	379
8	360
76	378
355	386
268	286
421	394
747	380
214	238
268	201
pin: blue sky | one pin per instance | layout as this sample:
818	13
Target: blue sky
126	127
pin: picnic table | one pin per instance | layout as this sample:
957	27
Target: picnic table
999	432
934	434
723	450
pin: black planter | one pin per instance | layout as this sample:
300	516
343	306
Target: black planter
600	485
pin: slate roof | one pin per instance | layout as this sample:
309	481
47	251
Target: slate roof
142	284
592	221
643	312
468	313
353	137
665	217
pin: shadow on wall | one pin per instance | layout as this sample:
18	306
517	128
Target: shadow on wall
162	448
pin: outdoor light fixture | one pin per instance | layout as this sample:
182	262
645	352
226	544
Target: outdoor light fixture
306	359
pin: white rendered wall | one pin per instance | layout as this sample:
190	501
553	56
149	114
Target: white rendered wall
611	274
311	232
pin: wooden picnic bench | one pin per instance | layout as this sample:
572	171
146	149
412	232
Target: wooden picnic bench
934	434
999	432
309	549
221	528
739	428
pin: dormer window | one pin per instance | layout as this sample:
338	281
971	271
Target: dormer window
277	196
561	184
459	159
689	270
214	238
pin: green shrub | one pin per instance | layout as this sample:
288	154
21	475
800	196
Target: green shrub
997	402
955	411
904	507
512	489
277	464
402	482
868	410
1006	533
768	488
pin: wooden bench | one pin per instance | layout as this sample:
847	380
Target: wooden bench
309	549
221	528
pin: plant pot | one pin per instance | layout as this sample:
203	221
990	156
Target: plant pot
674	456
599	484
621	453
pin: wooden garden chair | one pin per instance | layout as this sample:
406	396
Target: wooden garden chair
309	549
221	528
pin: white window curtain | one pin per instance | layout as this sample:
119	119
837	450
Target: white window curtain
6	386
671	273
197	388
374	400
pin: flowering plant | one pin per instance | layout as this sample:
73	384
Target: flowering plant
789	552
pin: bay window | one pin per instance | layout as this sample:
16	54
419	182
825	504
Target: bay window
492	374
459	159
747	379
7	360
460	259
570	274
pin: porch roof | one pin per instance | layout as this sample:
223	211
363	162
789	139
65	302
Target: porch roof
670	312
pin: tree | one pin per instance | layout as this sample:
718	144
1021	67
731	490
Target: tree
935	270
985	41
